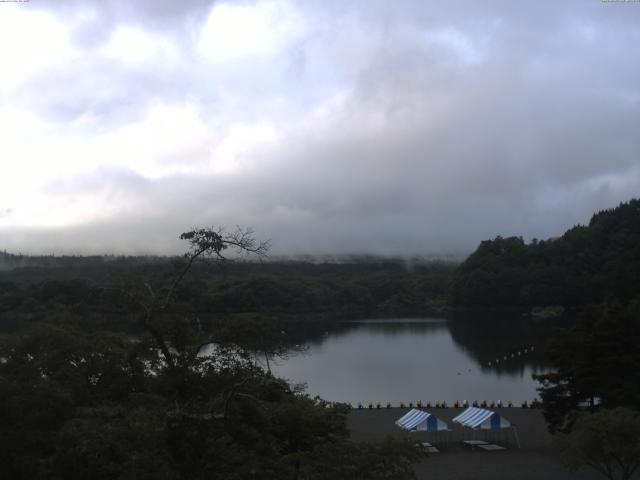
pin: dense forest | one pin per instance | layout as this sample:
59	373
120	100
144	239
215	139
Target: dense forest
586	265
117	376
591	395
103	372
294	294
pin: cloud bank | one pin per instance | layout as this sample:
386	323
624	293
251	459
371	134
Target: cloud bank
377	127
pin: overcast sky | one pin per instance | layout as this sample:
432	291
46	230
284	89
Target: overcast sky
328	126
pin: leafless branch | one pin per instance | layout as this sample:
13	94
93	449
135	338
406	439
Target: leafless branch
232	393
210	242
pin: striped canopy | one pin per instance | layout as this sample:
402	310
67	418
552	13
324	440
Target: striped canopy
474	417
417	420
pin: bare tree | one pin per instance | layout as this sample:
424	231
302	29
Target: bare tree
212	243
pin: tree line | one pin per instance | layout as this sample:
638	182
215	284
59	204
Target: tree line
591	397
289	294
175	401
586	265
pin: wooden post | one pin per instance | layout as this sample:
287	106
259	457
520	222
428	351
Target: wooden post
515	434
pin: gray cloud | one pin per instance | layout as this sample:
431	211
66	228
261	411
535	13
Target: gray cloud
159	15
404	127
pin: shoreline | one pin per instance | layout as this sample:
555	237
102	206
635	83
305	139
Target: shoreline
537	458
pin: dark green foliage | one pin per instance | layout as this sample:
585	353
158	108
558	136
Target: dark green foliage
175	398
45	375
389	460
595	365
294	296
86	405
592	269
585	265
607	441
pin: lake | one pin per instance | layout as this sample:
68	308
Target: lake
429	359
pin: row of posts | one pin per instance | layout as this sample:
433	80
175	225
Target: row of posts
444	404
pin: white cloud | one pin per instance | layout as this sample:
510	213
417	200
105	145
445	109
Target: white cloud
133	46
235	31
31	42
164	131
236	150
26	167
404	126
168	140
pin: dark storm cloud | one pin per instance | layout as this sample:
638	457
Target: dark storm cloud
403	127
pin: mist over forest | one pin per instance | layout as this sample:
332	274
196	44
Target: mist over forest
195	194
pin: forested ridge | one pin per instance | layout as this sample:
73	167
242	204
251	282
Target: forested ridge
90	290
591	396
585	265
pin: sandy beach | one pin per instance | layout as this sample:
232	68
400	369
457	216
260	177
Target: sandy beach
535	460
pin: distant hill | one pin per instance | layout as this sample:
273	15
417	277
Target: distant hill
90	290
585	265
10	261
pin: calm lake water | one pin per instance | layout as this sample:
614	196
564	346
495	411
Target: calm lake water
419	359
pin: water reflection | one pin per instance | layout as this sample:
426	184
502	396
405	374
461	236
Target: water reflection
418	359
401	327
504	343
386	327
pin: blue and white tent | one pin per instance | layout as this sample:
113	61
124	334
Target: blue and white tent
474	417
420	421
482	419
